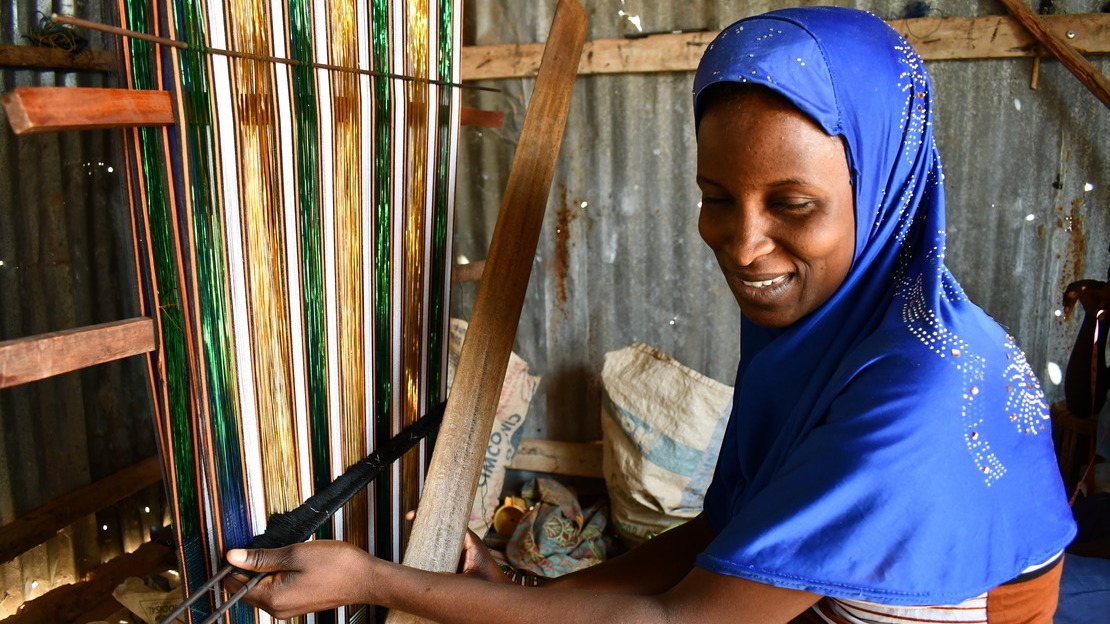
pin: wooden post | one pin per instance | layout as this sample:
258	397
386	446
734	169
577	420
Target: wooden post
437	533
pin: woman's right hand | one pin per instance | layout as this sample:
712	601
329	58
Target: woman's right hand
313	576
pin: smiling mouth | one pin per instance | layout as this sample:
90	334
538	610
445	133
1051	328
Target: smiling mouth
764	283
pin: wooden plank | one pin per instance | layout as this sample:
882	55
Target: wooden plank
1060	48
476	117
32	110
437	533
38	526
935	38
37	357
472	272
34	57
69	603
999	36
578	459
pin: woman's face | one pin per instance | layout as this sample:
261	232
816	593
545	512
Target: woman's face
777	205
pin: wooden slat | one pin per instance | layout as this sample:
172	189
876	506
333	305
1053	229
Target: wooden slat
1060	48
37	357
69	603
935	38
439	528
476	117
34	57
577	459
472	272
38	526
32	110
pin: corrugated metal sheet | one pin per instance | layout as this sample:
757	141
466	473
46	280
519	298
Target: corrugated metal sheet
620	259
66	261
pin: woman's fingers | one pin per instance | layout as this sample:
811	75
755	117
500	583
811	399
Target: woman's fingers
477	560
302	578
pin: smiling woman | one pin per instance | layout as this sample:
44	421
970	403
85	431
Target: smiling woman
777	207
888	457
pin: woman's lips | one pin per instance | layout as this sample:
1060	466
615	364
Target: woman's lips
761	284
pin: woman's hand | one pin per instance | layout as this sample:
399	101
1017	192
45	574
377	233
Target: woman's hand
308	577
477	561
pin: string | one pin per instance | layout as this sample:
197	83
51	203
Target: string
177	443
349	240
219	458
184	45
306	133
262	214
416	206
382	257
437	319
306	327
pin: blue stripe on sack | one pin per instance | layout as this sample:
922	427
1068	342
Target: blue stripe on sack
653	445
694	492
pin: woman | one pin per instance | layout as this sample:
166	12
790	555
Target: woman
889	451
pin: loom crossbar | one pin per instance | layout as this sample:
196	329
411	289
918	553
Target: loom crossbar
32	110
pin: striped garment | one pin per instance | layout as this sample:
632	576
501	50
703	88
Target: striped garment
1029	599
841	611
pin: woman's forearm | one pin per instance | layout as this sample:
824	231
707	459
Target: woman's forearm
457	599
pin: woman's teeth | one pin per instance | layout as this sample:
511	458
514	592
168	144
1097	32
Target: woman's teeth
764	283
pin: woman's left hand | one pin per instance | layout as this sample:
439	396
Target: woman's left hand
308	577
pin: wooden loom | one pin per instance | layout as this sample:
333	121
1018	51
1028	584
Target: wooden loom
50	110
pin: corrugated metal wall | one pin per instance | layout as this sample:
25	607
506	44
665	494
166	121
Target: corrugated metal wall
620	259
66	261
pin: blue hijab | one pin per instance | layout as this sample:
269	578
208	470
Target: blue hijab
893	445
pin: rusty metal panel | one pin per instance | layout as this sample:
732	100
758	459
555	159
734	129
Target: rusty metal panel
66	260
620	259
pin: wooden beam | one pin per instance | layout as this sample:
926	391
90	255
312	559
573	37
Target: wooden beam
476	117
32	110
38	526
34	57
438	531
68	603
472	272
1060	48
577	459
37	357
935	38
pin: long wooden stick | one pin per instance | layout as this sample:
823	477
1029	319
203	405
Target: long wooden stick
1091	77
38	357
460	447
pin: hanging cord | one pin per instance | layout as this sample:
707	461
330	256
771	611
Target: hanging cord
297	525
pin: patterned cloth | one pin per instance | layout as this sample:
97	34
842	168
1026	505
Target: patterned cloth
555	536
894	445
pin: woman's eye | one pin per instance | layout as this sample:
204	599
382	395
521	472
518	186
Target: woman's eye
801	204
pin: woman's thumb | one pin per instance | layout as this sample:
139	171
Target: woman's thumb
255	560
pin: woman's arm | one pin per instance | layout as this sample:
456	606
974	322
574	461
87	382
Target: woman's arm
320	575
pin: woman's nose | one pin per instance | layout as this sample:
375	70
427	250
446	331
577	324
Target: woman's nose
750	239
